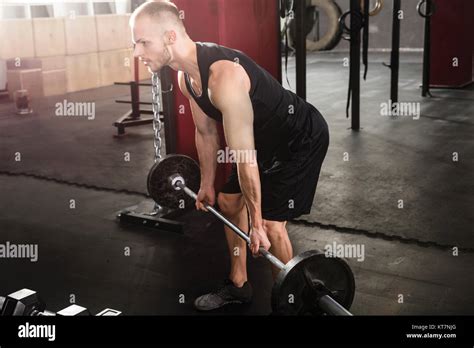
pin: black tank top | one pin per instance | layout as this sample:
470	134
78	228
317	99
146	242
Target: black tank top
281	118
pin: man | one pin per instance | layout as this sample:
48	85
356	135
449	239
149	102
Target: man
289	136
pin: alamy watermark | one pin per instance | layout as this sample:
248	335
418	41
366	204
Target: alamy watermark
237	156
76	109
349	251
20	251
28	330
405	109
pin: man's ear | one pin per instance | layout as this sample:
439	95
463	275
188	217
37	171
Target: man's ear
170	37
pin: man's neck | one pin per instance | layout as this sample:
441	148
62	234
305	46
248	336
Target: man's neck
188	61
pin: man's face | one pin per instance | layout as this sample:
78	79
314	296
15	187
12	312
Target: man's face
150	47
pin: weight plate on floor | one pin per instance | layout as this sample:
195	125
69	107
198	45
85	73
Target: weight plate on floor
293	293
160	189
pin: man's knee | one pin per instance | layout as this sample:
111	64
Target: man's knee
230	204
276	230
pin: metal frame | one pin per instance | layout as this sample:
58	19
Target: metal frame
300	46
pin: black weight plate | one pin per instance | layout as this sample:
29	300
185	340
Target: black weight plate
292	295
160	189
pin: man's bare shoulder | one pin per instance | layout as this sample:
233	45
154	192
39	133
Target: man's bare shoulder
226	71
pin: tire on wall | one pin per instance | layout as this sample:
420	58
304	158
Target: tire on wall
333	34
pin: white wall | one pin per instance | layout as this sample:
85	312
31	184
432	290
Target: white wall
22	8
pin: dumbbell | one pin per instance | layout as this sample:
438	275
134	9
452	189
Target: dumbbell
27	302
72	310
75	311
22	302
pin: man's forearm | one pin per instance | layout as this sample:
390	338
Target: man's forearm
207	146
249	179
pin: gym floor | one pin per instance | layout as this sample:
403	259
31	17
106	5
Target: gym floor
408	251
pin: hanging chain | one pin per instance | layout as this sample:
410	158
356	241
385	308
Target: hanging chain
157	124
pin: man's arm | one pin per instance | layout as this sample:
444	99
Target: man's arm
229	87
207	138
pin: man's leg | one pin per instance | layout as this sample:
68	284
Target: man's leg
233	207
237	289
281	245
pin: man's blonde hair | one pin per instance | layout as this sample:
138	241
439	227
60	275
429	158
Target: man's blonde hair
161	11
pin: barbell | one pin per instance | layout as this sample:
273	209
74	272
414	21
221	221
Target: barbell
312	283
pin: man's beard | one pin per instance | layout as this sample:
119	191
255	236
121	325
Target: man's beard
154	68
163	64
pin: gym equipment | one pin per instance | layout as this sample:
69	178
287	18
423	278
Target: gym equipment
152	213
44	313
375	10
358	21
296	10
158	185
22	302
108	312
285	7
133	117
300	49
359	13
287	13
306	279
26	302
75	310
429	8
71	311
429	11
395	53
331	37
311	283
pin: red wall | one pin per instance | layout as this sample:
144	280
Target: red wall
451	36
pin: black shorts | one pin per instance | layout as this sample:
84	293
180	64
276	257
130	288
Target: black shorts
288	186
